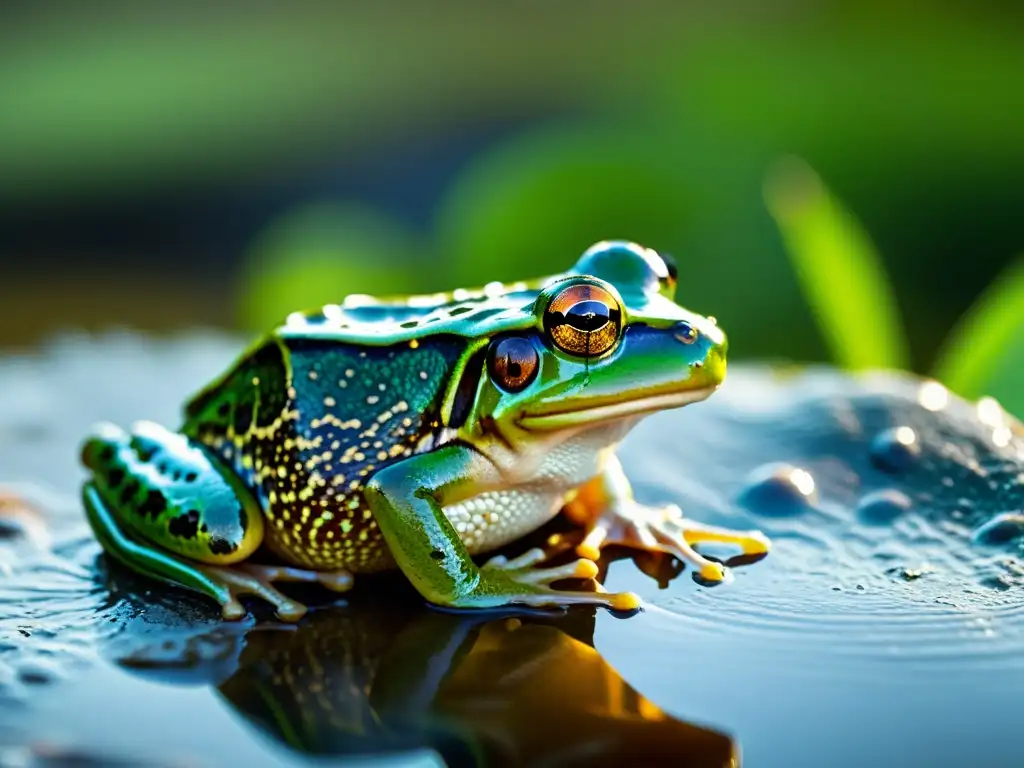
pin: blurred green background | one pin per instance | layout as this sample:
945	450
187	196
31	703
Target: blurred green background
839	181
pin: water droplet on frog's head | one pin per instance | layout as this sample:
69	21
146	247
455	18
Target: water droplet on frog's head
991	413
1001	530
895	450
933	396
1001	437
882	507
779	490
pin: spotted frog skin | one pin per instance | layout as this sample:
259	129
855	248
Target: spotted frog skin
420	432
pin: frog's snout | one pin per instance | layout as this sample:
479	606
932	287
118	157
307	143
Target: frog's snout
708	346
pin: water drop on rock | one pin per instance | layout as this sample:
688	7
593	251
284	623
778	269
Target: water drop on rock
882	507
1001	529
779	490
999	583
895	450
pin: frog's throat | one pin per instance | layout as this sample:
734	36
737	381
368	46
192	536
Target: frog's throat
596	413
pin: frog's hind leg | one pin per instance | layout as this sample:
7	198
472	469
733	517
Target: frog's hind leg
152	562
162	505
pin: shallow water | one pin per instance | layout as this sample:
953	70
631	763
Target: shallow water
886	626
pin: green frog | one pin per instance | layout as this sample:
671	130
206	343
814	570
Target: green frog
417	433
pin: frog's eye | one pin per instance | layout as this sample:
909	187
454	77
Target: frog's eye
583	320
513	363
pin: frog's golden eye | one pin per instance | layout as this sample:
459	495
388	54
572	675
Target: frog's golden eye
583	320
513	363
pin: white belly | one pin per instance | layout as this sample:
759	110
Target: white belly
496	518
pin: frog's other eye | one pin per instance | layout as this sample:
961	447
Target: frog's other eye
668	283
583	320
513	363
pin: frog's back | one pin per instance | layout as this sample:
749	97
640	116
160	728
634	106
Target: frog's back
305	421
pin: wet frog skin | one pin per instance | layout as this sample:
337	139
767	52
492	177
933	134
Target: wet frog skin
420	432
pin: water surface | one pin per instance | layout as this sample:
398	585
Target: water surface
886	627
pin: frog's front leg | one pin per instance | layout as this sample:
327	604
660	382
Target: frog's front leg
408	500
162	505
612	517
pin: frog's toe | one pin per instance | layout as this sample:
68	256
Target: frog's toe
666	530
578	569
749	542
519	582
336	581
239	581
547	598
528	559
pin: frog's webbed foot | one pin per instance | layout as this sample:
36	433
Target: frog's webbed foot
519	582
664	529
258	581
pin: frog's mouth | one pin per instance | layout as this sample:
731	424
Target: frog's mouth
595	411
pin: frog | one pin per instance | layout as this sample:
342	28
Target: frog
422	433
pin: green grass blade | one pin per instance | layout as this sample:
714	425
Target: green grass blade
984	353
839	270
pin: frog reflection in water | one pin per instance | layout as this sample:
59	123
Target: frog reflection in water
372	678
418	433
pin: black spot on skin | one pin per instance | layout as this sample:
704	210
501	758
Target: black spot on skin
163	469
243	418
483	314
130	489
243	519
191	477
115	477
107	454
222	547
204	528
410	324
437	554
185	526
154	504
460	311
224	408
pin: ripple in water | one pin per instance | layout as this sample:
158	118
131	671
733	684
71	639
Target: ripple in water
896	511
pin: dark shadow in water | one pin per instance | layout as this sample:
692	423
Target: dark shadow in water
384	676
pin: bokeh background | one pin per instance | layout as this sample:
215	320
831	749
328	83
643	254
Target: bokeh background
839	181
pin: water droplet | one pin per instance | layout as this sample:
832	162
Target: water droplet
933	396
1000	583
991	413
882	507
909	574
779	490
895	450
1001	529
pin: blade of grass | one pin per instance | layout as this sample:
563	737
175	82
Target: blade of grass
839	270
984	353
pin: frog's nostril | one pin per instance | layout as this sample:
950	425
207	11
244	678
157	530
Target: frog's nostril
685	333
